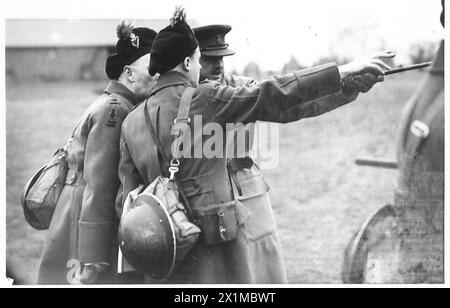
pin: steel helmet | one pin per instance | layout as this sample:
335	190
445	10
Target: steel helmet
147	237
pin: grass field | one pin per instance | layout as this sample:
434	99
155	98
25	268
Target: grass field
319	196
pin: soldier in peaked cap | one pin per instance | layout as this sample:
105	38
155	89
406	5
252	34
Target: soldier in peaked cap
242	169
213	48
253	254
81	242
211	40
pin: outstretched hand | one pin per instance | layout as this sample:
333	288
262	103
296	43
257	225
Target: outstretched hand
362	74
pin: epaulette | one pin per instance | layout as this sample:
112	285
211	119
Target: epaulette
113	100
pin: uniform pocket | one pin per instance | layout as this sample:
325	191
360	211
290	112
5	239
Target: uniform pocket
251	184
256	215
218	222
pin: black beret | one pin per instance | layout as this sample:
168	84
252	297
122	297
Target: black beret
133	43
172	45
211	40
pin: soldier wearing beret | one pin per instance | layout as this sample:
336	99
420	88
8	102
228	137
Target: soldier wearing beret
81	242
254	256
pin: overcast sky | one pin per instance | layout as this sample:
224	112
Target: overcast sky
269	32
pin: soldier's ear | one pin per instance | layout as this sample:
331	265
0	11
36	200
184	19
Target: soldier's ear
187	64
129	73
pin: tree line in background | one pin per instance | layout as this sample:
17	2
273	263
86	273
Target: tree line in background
419	53
86	64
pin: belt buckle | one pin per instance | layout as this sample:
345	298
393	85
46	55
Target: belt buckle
187	120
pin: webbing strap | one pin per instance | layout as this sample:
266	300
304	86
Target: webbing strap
177	131
181	122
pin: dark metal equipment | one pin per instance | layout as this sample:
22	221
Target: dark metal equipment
147	237
407	68
380	163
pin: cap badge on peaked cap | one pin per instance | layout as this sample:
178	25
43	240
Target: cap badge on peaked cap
220	39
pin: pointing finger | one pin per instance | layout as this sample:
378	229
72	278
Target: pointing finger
384	54
381	64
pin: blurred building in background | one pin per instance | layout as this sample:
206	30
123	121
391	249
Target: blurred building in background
61	50
73	50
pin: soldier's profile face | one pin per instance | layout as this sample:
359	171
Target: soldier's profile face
143	82
195	67
212	68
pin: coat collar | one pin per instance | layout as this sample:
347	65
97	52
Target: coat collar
437	67
169	79
115	87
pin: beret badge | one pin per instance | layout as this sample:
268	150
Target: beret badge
134	40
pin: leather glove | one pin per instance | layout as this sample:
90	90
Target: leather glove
362	74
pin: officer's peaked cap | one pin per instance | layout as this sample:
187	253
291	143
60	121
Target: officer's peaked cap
211	40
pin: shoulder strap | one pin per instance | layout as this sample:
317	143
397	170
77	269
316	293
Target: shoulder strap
182	115
69	142
177	130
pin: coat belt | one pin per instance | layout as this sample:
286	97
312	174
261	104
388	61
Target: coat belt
207	189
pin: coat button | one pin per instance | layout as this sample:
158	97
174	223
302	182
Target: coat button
196	185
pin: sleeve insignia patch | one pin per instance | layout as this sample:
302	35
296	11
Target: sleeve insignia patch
112	118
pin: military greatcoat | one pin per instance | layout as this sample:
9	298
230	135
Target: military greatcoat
84	225
255	256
